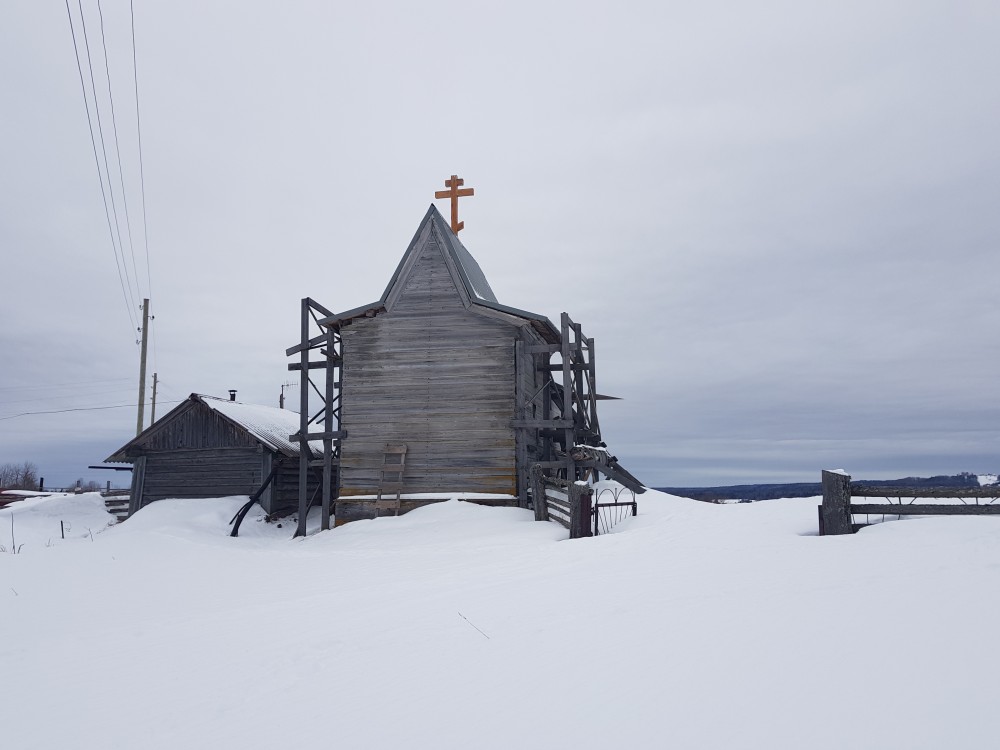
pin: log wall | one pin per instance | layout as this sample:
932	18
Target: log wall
195	473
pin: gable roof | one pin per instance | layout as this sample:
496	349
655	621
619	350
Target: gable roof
470	279
270	425
265	424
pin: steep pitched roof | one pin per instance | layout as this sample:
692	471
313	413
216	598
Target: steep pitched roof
470	279
265	424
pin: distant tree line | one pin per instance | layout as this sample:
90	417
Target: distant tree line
24	476
19	476
754	492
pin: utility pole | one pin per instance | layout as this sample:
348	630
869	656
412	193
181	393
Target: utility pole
142	364
152	415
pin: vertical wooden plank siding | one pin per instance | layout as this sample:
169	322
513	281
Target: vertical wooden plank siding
138	474
197	427
436	376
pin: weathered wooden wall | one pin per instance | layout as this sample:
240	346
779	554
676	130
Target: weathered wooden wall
284	491
201	472
198	453
198	427
433	375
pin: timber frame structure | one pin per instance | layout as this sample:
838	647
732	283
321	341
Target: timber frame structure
327	345
572	448
514	386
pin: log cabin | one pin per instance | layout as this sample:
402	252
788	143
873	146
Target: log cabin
214	447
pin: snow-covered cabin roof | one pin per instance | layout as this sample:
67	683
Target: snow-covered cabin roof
471	276
266	424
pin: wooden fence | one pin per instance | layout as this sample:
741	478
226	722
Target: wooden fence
836	514
567	503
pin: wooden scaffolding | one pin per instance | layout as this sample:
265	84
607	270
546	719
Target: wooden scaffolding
319	348
571	447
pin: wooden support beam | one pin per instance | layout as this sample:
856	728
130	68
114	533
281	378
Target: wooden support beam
538	494
304	342
575	366
317	463
553	464
569	433
538	424
336	435
886	509
312	343
334	361
867	490
313	304
328	428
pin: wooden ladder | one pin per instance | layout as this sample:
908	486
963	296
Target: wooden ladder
390	478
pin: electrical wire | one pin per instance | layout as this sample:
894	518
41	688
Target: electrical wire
82	408
50	397
142	176
63	385
97	163
118	153
104	150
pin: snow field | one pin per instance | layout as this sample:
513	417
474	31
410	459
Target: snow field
460	626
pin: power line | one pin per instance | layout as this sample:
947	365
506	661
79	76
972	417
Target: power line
142	176
53	397
104	150
97	162
118	153
82	408
63	385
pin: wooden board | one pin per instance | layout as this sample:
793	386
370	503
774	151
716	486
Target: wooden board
885	509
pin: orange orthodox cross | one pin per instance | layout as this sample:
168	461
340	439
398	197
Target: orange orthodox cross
454	193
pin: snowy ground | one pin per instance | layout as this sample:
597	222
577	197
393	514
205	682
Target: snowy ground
459	626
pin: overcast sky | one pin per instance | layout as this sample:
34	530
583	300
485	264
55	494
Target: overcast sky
779	220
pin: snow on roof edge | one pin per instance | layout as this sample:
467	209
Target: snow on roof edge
270	425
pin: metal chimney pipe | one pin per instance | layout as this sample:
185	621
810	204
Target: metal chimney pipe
232	394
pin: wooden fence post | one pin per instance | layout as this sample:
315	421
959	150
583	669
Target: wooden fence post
580	509
835	512
538	494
